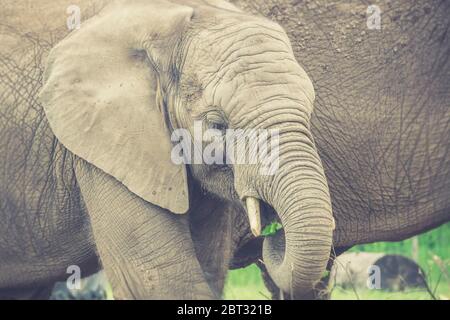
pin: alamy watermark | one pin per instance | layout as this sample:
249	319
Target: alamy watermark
374	277
74	19
373	17
232	146
73	282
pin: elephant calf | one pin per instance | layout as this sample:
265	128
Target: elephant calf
89	121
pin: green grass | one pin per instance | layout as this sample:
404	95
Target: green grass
341	294
245	284
434	249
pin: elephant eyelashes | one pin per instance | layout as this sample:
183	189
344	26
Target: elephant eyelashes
215	120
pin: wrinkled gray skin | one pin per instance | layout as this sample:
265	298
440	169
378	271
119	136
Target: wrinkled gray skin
381	124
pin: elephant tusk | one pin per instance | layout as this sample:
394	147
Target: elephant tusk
254	215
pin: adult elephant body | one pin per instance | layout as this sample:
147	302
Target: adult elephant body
81	181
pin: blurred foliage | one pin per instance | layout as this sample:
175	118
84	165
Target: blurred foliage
434	254
340	294
434	258
245	284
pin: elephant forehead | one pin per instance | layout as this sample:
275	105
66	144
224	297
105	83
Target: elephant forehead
229	39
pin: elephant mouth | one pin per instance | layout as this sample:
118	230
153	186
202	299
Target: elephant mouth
268	216
251	251
284	251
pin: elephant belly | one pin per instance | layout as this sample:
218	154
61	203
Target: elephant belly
390	189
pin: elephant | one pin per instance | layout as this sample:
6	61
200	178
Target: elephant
88	116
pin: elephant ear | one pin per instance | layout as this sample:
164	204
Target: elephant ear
102	97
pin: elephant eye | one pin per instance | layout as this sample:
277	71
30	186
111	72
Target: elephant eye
218	126
216	120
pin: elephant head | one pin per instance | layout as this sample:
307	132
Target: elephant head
117	89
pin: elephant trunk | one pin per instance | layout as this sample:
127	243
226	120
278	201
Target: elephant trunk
297	255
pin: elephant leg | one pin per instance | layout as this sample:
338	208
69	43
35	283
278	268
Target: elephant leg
32	293
146	251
